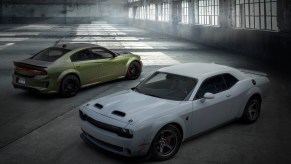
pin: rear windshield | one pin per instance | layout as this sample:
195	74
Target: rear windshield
50	54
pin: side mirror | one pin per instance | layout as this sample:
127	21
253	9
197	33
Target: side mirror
207	95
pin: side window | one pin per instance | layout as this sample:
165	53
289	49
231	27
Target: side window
101	53
229	80
81	56
213	85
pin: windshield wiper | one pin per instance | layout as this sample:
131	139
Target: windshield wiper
135	89
152	95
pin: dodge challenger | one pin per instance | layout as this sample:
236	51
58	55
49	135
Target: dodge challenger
171	105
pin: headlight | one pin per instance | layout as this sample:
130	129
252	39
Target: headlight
125	133
82	115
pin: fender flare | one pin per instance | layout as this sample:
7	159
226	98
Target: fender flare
68	72
251	92
130	61
162	122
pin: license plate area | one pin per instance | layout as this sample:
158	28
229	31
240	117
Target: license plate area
21	81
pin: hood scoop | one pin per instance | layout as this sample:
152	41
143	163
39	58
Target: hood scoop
118	113
99	106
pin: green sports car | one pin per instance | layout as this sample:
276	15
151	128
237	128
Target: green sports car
66	68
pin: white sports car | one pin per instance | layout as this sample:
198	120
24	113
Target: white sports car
172	104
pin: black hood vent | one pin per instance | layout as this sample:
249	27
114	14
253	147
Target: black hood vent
118	113
99	106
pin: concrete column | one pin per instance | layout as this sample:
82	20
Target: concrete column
284	15
224	7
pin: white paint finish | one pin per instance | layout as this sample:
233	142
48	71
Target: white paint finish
145	115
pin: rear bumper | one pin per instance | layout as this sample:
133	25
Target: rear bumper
18	86
38	85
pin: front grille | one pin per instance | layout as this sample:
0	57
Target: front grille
114	147
103	126
99	124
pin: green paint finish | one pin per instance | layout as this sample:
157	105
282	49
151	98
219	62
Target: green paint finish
92	64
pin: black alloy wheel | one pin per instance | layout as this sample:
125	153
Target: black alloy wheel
70	86
166	143
252	110
133	71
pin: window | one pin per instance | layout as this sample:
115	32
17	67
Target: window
212	85
152	12
130	12
208	12
256	14
50	54
165	14
167	86
229	80
82	56
143	12
160	12
101	54
185	12
163	10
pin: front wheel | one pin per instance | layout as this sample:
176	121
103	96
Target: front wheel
133	71
166	143
70	86
252	110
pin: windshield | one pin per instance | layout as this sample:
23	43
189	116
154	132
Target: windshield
50	54
167	86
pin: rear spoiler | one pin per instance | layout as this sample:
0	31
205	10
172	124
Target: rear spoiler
32	63
252	72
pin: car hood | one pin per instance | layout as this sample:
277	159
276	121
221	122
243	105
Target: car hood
131	107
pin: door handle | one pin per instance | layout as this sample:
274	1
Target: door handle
228	95
78	66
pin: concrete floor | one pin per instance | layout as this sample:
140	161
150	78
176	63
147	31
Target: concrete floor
45	129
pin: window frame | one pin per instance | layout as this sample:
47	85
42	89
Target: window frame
248	16
185	12
208	12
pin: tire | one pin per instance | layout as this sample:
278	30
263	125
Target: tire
166	143
252	110
133	71
70	86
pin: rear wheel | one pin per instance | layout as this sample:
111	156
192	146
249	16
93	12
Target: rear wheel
252	110
133	71
166	143
70	86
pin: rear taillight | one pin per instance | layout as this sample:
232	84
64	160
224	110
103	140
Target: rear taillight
39	72
32	71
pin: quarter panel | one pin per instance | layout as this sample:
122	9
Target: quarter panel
242	92
66	72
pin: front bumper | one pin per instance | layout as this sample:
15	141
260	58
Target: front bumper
112	142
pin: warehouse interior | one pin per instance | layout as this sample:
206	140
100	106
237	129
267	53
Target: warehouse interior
250	34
